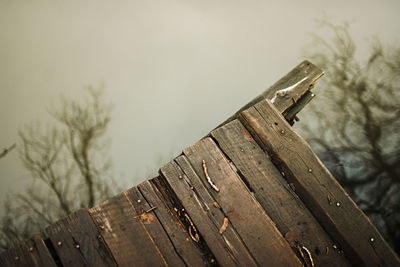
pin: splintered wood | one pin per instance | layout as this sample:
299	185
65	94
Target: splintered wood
208	177
224	225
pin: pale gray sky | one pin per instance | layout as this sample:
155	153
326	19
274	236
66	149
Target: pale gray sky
172	69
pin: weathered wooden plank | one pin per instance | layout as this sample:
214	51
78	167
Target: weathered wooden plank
188	251
124	231
228	252
16	256
153	227
271	190
318	189
245	214
75	239
32	252
40	254
215	213
296	83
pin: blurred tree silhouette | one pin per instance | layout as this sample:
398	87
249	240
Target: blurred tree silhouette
7	150
354	126
69	166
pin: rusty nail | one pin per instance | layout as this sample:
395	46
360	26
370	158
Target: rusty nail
59	243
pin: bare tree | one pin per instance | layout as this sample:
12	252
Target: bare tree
69	166
355	124
7	150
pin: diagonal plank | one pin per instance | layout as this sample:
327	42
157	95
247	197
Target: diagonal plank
227	247
288	90
75	241
279	201
152	226
245	214
188	251
215	213
126	234
32	252
318	189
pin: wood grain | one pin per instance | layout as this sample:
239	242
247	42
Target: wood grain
300	79
318	189
152	226
245	214
227	248
187	250
32	252
125	233
274	194
75	239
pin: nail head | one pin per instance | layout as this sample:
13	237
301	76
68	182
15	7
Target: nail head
59	243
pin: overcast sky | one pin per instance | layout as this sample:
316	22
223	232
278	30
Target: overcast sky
172	69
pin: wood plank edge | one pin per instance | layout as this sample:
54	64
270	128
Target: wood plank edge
169	197
308	199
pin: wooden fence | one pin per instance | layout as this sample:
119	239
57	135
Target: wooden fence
251	193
